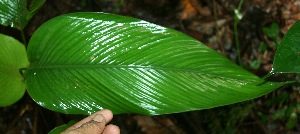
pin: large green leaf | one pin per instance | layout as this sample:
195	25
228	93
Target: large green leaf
15	13
287	56
12	57
83	62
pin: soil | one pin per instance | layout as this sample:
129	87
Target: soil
209	21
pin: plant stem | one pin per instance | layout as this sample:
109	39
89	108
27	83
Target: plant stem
240	5
236	34
237	43
269	74
23	37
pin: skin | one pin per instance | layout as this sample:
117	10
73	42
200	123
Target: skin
94	124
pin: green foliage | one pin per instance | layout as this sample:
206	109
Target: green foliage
15	13
13	57
272	32
255	64
287	56
262	47
287	110
226	120
84	62
293	120
87	61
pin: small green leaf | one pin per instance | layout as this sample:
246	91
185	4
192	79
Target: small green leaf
61	128
287	56
255	64
262	47
15	13
272	31
13	57
292	121
83	62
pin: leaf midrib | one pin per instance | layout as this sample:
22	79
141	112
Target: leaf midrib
187	70
108	66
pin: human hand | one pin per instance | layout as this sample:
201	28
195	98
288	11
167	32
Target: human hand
94	124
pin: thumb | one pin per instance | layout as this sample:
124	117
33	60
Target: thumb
95	126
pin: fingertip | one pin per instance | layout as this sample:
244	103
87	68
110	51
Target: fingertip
99	118
108	115
111	129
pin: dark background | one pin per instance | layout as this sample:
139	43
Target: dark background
209	21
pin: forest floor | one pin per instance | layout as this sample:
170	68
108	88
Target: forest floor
263	24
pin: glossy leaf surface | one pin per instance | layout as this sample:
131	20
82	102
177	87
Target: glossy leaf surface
84	62
13	57
287	56
15	13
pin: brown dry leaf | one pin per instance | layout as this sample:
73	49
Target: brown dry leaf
188	10
297	16
191	8
290	15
